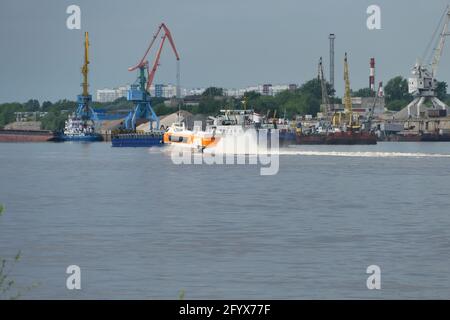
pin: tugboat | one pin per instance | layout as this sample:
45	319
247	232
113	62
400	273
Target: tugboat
77	129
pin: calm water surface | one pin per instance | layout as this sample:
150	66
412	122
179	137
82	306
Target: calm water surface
141	227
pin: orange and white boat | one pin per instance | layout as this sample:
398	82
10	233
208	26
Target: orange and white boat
177	134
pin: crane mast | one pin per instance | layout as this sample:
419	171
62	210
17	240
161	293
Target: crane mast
85	68
347	96
323	86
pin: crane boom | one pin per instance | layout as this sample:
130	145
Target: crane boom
323	86
151	74
347	97
143	63
439	48
85	68
167	33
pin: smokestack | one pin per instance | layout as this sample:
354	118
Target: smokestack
332	37
372	76
380	89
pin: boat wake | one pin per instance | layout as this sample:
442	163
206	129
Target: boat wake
246	144
363	154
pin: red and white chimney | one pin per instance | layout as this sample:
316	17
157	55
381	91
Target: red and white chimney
372	75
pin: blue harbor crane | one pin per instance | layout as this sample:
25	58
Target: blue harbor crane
139	92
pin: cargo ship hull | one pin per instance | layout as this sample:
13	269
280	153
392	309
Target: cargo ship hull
135	140
426	137
26	136
79	138
338	138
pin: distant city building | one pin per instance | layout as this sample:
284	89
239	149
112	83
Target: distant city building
169	91
193	91
159	90
25	116
109	95
267	90
276	89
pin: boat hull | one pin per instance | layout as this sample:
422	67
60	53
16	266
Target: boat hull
80	138
135	140
338	138
426	137
26	136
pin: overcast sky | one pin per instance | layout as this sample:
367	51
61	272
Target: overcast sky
232	43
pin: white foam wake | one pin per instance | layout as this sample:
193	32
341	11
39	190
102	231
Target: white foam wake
363	154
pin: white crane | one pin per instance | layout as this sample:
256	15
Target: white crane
422	84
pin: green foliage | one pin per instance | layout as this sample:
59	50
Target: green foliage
397	89
363	92
441	90
397	105
118	104
396	93
54	121
8	288
7	112
161	109
57	114
213	92
32	105
305	100
181	294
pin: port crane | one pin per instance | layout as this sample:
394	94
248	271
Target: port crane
139	92
323	86
370	116
422	84
348	108
84	110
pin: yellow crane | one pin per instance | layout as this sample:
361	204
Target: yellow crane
347	94
348	111
84	110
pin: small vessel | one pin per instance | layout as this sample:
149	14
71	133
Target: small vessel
77	129
177	134
336	136
406	136
26	135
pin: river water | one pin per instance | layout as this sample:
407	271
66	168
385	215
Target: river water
140	226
